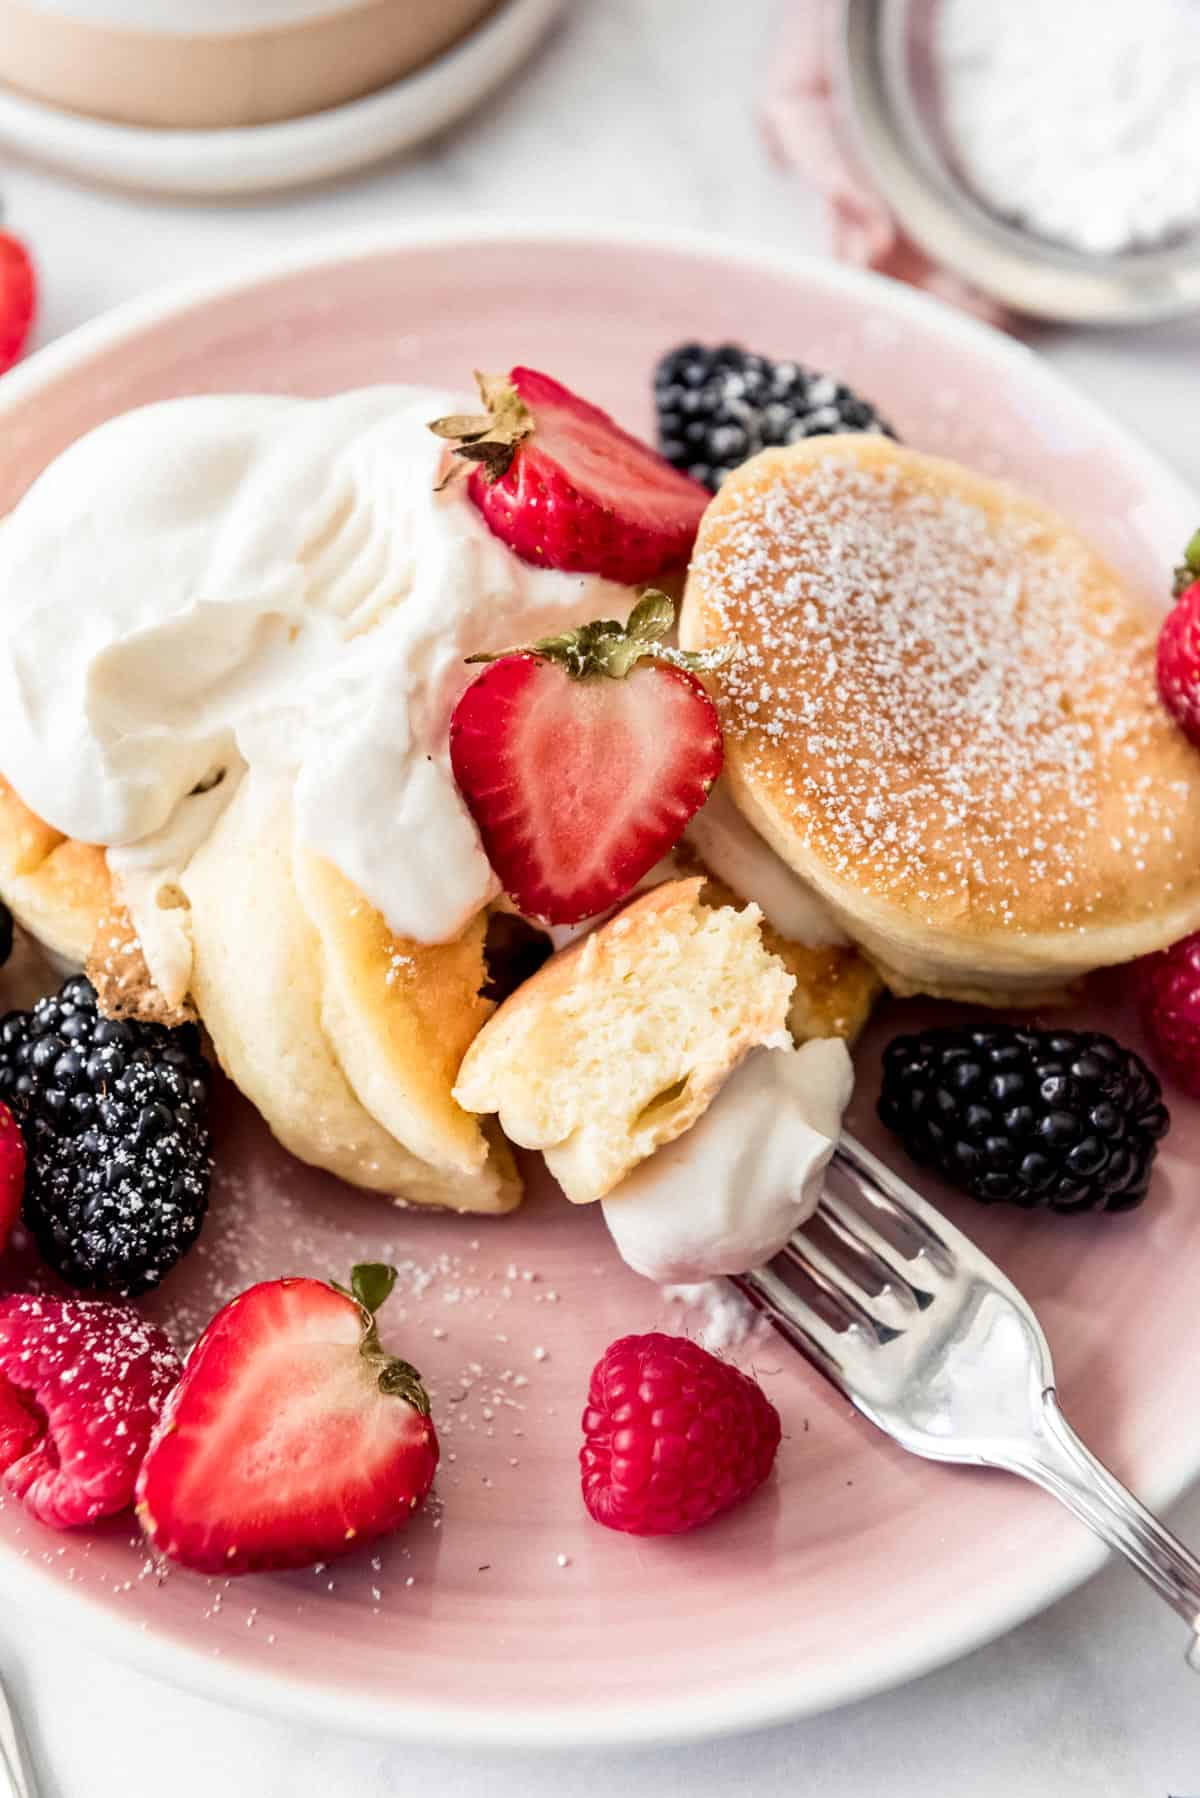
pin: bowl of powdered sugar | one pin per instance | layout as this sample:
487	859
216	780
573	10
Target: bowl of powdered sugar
1045	150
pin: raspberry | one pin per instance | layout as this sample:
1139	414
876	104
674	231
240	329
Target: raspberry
1169	993
1179	662
81	1386
672	1436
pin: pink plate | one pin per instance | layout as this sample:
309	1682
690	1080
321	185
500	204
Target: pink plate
503	1614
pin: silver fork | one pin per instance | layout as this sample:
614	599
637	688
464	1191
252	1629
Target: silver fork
929	1340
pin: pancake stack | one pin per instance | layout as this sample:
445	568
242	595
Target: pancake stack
939	711
346	1038
942	715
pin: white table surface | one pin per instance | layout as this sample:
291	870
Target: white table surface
651	100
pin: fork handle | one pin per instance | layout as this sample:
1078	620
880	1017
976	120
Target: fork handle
1061	1464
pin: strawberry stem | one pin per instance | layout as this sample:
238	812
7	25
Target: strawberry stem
370	1287
492	437
1189	569
607	647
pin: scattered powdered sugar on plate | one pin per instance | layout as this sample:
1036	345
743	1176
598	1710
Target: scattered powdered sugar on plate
463	1308
503	1317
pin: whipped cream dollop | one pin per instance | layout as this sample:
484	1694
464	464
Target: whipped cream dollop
731	848
726	1195
226	581
147	876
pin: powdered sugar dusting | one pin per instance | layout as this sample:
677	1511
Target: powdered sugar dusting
943	699
44	1338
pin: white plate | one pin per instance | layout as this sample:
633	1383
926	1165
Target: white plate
857	1566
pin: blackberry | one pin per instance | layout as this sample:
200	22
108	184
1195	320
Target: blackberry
1065	1120
717	407
115	1122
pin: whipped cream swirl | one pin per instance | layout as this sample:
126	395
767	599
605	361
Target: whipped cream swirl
228	581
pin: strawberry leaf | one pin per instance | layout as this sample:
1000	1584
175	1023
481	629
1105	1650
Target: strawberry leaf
651	619
490	439
461	427
1189	569
371	1283
399	1379
607	647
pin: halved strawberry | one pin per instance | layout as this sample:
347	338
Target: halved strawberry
583	758
292	1437
18	298
1178	656
567	488
1177	662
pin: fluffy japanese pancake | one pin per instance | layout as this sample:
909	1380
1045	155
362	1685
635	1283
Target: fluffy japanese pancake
61	892
345	1038
57	888
835	986
942	714
620	1042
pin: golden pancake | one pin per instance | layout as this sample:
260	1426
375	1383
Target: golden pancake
57	888
619	1043
835	985
297	1013
943	716
346	1039
398	1015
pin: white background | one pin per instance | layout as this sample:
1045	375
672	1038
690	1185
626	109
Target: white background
651	100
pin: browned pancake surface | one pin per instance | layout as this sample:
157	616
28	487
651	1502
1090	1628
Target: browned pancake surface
944	702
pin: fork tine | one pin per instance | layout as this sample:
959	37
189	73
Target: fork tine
873	1252
881	1188
834	1282
966	1379
794	1318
